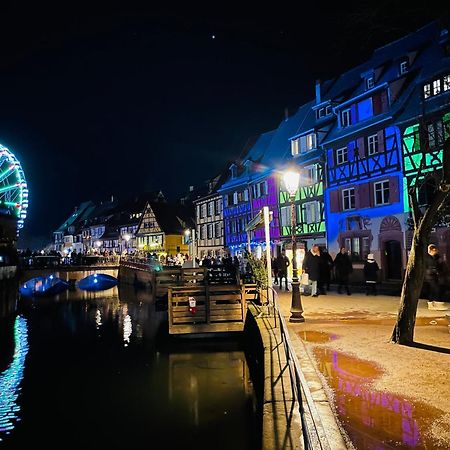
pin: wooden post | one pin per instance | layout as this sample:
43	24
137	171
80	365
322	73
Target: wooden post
267	236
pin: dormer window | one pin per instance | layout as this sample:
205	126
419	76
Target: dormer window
247	166
404	67
370	83
328	110
323	112
436	87
304	144
233	170
346	118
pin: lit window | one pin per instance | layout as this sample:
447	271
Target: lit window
311	174
381	192
427	90
346	118
372	144
285	216
404	66
294	147
311	141
321	113
436	87
348	199
446	86
311	212
328	110
341	155
370	83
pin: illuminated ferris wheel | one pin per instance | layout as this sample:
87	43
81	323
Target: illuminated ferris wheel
13	186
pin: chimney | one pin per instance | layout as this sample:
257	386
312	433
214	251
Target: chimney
286	113
112	198
318	93
191	188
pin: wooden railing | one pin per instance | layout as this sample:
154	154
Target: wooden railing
218	308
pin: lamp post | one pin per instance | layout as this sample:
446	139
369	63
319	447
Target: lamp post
192	249
291	180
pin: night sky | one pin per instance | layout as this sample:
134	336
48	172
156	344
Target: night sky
97	100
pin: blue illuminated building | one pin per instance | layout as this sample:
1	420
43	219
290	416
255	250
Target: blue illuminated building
365	201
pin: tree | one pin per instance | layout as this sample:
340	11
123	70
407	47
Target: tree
423	219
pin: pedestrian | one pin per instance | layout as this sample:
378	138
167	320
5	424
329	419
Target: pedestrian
433	273
275	269
371	274
311	266
343	266
326	266
283	264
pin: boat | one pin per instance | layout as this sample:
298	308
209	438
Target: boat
43	286
97	282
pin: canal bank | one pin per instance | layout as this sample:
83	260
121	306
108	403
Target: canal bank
384	394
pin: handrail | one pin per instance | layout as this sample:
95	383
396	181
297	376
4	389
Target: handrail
313	429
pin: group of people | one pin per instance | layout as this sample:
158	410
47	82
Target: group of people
320	266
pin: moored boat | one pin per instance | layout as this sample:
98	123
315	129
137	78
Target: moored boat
97	282
41	286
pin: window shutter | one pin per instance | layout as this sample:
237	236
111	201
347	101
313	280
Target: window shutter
377	106
381	145
351	151
335	200
361	143
371	194
362	196
394	194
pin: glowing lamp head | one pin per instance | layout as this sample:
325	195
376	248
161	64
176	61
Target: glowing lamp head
187	232
291	180
127	237
98	243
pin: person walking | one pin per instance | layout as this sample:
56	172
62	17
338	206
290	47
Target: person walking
275	270
433	272
311	266
343	266
370	274
283	264
326	266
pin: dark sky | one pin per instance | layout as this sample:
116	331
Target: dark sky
100	100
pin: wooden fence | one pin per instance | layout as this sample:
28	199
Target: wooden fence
218	308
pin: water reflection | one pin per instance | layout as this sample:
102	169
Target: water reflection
107	362
373	419
11	379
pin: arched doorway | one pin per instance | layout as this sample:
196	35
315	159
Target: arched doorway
391	246
393	258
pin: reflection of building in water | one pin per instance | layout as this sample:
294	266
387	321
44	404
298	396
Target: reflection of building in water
199	380
11	378
372	417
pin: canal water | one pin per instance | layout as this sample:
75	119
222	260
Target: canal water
98	370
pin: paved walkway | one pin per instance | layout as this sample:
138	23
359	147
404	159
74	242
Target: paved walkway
339	306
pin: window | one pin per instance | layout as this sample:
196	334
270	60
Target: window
427	90
436	87
210	231
235	198
285	218
311	212
217	230
203	210
381	192
294	147
372	144
218	206
404	66
328	110
233	226
320	113
446	84
310	141
346	118
341	155
348	199
435	132
311	174
210	208
370	83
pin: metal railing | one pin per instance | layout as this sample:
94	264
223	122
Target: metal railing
50	261
313	430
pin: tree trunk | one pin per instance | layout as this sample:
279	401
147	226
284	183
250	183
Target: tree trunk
412	285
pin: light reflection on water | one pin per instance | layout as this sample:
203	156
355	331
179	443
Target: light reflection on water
374	419
11	379
106	362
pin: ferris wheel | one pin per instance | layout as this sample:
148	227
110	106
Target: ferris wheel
13	186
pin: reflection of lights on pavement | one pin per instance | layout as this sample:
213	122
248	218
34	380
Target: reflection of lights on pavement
98	318
11	378
127	330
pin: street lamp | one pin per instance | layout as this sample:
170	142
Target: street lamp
291	180
190	234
